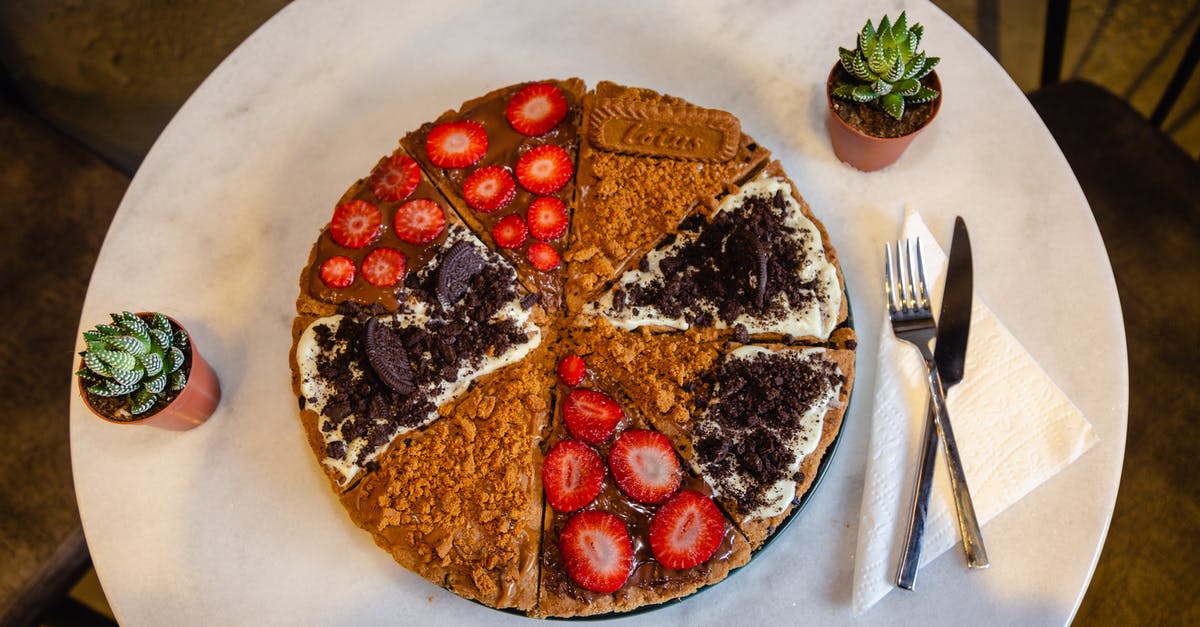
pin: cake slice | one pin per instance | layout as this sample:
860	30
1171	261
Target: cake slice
761	266
633	501
646	162
364	375
769	417
506	161
460	501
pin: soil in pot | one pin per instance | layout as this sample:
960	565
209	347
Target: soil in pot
874	122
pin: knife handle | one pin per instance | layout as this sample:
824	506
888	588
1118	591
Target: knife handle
910	555
968	524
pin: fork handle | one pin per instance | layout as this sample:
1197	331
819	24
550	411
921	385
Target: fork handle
968	523
910	554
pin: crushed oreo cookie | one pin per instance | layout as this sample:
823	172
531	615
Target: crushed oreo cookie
753	419
458	266
747	261
386	353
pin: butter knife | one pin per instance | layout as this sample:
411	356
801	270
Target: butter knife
950	352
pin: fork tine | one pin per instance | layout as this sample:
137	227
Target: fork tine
888	281
924	296
909	293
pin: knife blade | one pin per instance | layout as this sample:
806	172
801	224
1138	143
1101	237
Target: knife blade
950	352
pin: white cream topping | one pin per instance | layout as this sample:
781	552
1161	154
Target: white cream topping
802	444
816	318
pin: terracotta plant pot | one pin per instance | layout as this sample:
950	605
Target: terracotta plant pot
194	404
866	152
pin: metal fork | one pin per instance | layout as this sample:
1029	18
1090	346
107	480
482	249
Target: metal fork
912	321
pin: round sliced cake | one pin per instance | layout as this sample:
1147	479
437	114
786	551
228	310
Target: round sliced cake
572	352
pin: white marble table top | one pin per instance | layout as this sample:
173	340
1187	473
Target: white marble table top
233	523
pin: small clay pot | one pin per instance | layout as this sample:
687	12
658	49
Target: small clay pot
866	152
194	404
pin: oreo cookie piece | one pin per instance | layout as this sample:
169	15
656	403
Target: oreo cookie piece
385	351
459	265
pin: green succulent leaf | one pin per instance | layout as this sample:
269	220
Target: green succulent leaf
863	93
116	359
175	360
859	70
877	60
866	39
161	323
907	87
109	329
177	380
88	376
110	389
162	339
95	364
141	401
914	65
127	377
129	344
153	363
896	72
157	384
914	37
842	91
900	27
925	94
181	339
881	87
926	67
893	105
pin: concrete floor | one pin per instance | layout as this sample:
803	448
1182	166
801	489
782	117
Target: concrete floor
121	68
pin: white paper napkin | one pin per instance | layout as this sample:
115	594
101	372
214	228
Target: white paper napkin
1014	427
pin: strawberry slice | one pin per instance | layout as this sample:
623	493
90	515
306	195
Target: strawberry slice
596	551
686	530
536	109
456	144
355	224
544	169
509	232
645	466
489	188
384	267
337	272
547	218
572	475
419	221
572	370
591	416
395	178
543	256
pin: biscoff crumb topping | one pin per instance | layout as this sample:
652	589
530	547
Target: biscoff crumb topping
462	489
658	372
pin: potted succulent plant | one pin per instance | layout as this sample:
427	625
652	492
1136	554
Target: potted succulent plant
881	94
143	369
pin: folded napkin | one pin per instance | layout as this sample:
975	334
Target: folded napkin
1015	429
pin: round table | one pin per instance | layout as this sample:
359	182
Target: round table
233	522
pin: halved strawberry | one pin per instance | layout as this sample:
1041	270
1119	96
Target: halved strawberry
591	416
543	256
572	475
645	466
395	178
544	169
686	530
572	370
547	218
536	109
355	223
337	272
596	551
489	188
384	267
419	221
456	144
509	232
